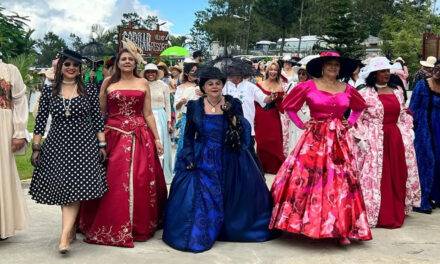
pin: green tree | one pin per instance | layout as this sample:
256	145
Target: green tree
370	13
178	40
24	62
280	13
76	42
49	46
200	39
402	31
137	21
342	32
15	39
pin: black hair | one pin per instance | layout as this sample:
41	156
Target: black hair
58	81
187	67
197	53
371	81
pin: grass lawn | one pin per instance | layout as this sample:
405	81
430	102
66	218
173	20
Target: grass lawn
24	166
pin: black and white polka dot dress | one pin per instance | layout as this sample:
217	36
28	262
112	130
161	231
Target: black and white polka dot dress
69	169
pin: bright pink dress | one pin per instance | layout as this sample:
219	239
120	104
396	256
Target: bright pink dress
132	209
317	192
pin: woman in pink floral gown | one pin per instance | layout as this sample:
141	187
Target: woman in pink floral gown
316	192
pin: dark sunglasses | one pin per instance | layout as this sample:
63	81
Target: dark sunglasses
68	64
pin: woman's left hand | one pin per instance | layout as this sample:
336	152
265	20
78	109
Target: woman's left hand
159	147
17	144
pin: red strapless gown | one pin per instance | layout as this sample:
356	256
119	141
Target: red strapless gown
132	209
394	170
269	135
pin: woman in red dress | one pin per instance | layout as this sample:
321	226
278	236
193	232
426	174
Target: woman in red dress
385	150
132	208
268	128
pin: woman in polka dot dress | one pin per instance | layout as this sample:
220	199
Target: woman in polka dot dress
68	166
132	209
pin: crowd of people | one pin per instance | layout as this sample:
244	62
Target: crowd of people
347	152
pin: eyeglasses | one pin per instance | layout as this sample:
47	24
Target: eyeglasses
68	64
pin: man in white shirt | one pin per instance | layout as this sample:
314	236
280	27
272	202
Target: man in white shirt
248	93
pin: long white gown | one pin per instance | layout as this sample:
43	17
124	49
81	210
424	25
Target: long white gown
13	120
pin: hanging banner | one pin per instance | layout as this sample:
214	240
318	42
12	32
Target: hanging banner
152	42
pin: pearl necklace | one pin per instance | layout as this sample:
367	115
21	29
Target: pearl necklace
381	86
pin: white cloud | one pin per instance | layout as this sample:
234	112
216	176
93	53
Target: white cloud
76	16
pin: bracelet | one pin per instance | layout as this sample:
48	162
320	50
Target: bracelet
102	144
36	146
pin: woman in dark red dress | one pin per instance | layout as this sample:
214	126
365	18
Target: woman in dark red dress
132	209
385	152
268	128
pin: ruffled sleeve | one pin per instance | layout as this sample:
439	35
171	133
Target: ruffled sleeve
357	105
293	102
20	107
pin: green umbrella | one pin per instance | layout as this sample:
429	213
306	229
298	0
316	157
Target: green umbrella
175	51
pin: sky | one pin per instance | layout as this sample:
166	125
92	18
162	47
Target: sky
77	16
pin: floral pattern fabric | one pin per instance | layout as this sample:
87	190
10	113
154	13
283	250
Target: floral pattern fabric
369	153
317	192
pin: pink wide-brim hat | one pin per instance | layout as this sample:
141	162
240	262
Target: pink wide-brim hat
314	66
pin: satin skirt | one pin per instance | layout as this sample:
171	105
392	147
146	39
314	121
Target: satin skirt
317	191
166	159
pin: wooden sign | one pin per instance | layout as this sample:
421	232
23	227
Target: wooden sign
152	42
430	45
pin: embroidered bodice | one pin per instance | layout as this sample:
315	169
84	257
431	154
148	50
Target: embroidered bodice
125	109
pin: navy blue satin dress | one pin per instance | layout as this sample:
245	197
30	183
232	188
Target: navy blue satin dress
225	197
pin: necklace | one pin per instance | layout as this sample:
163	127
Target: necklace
213	105
67	106
381	85
69	82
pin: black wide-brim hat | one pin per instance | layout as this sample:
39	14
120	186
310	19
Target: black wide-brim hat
348	66
72	55
208	73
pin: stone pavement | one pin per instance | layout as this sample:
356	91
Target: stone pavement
417	242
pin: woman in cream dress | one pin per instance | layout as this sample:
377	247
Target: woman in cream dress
13	120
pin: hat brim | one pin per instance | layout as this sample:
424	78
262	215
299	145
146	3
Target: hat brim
426	64
69	56
348	66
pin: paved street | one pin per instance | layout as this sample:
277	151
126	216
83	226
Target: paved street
417	242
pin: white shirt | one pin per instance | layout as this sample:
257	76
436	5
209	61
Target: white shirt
188	92
248	93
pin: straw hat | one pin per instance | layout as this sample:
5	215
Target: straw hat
399	59
429	62
176	67
151	67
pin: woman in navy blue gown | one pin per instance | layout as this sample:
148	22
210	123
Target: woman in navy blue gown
218	192
425	106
